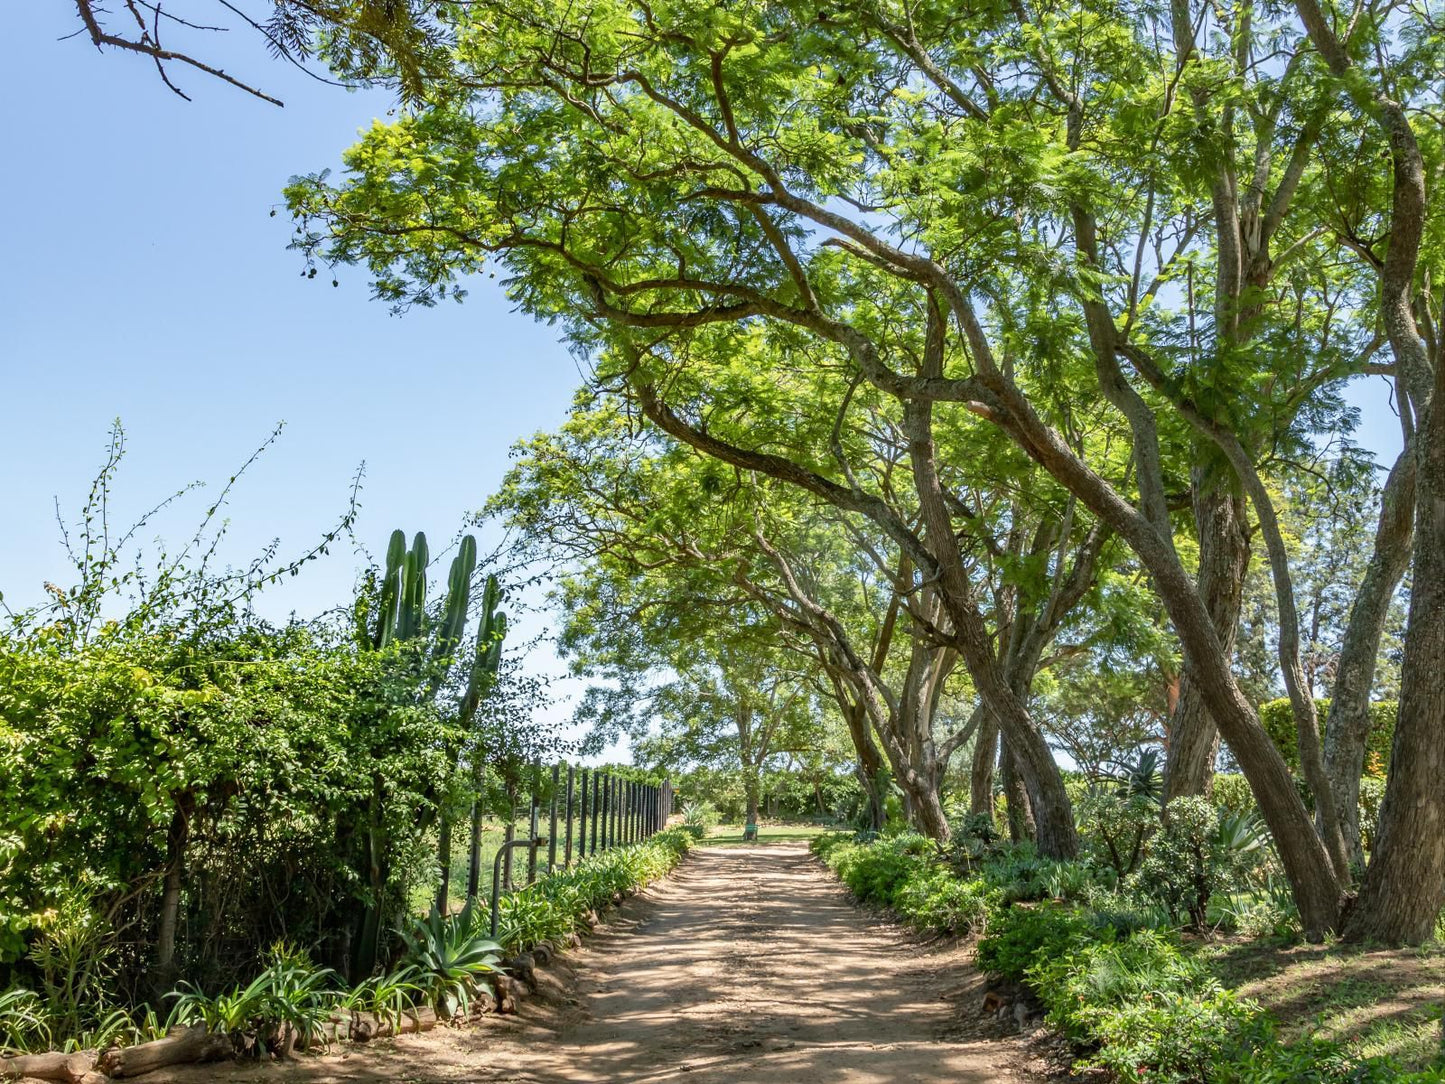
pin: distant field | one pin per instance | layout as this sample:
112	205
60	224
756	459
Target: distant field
725	835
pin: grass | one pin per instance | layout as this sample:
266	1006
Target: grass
1375	1001
731	835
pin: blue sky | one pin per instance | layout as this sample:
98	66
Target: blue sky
145	279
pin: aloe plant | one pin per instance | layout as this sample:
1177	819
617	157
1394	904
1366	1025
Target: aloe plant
450	954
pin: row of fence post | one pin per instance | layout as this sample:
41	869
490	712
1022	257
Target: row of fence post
590	812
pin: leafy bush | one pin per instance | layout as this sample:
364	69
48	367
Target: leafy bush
1192	855
937	900
700	817
1259	1058
876	872
1023	937
1116	825
1277	717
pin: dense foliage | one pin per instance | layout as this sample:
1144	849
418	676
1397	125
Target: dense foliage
1105	962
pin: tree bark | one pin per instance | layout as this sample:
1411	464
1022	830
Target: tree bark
1221	519
163	977
1053	812
985	757
474	857
1021	824
1404	888
1347	730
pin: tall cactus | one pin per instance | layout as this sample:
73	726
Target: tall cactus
401	615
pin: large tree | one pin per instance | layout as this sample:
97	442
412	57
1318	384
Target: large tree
1033	218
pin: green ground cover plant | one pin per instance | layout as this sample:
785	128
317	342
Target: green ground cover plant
1111	960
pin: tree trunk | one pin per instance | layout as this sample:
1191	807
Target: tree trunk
163	976
1347	729
1222	521
750	791
1021	825
985	757
474	858
1404	888
444	860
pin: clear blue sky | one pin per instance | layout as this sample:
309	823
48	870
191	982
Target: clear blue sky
145	279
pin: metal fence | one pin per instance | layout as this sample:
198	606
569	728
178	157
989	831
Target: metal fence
595	811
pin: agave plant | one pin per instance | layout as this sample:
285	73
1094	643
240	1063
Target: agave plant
1141	776
450	954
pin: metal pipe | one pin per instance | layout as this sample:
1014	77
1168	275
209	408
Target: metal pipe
506	849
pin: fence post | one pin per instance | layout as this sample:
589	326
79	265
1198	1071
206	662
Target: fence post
592	837
532	818
615	809
567	851
581	814
552	820
609	838
507	837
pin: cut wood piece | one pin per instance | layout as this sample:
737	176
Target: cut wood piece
418	1020
67	1068
182	1047
507	991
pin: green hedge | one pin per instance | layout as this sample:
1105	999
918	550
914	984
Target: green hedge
1278	718
553	907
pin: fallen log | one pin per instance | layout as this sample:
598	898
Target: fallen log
67	1068
185	1046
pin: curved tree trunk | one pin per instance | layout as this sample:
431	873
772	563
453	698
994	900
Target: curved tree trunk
1404	888
1222	521
1347	729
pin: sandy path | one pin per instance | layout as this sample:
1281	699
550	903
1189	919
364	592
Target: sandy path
748	965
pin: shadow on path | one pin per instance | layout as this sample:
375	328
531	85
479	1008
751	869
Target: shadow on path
749	965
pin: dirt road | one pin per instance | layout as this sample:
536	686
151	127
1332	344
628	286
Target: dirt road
748	965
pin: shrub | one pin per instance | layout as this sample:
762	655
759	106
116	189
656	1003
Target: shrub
1259	1058
937	900
1191	856
701	816
1117	825
287	1004
876	872
449	955
1277	717
1022	937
